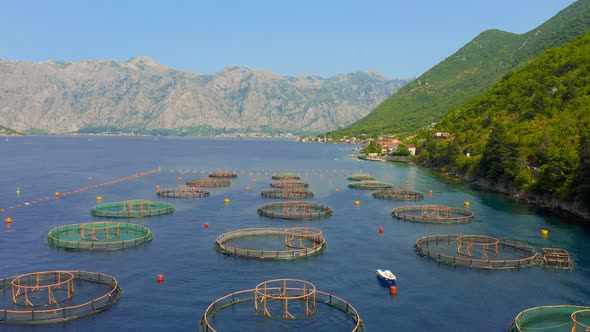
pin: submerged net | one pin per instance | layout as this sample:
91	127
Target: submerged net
398	194
296	192
56	296
554	318
209	182
295	210
132	209
369	185
102	235
182	192
436	214
285	176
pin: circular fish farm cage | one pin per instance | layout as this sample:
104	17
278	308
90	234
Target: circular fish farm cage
285	300
132	209
360	177
477	251
285	176
553	318
289	184
182	192
369	185
433	214
398	194
101	235
56	296
297	193
295	210
209	182
223	174
279	243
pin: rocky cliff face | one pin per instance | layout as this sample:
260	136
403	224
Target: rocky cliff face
143	96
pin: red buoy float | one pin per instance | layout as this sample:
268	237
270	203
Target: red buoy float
381	230
206	225
393	290
160	278
57	194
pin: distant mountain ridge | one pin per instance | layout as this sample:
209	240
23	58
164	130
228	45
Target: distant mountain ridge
143	96
468	73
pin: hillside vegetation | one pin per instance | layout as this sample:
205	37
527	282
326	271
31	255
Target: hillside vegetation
529	133
468	73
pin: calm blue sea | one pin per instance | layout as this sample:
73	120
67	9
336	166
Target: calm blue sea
430	297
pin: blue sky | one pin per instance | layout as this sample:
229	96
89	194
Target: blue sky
396	38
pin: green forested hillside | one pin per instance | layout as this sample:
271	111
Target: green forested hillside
7	131
468	73
530	132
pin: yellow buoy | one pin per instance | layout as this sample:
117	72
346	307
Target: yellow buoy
226	200
99	198
8	220
357	202
466	204
544	232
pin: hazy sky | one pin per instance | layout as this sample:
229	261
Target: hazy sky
396	38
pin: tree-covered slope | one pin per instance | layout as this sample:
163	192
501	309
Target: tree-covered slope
468	73
530	132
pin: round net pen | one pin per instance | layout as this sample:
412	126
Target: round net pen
551	318
360	177
56	296
209	182
285	176
369	185
102	235
182	192
398	194
296	193
433	214
283	299
223	174
280	244
289	184
132	209
295	210
477	251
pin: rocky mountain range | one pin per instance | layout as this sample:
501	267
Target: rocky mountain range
145	97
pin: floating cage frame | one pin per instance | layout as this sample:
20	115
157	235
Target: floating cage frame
101	235
567	316
360	176
285	176
223	174
557	258
272	298
289	184
398	194
299	242
49	296
295	210
209	182
132	209
477	251
369	185
297	192
182	192
435	214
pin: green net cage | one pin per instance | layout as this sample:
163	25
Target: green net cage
101	235
360	176
209	182
369	185
297	193
553	318
182	192
55	296
223	174
285	176
132	209
398	194
296	210
289	184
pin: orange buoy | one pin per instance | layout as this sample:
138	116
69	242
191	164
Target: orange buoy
206	225
407	183
337	190
430	191
247	188
160	278
57	194
253	180
392	290
179	179
157	187
8	220
466	204
544	232
381	230
329	181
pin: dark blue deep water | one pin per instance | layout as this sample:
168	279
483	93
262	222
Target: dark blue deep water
431	297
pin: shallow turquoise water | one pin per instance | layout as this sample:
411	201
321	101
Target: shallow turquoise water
430	296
